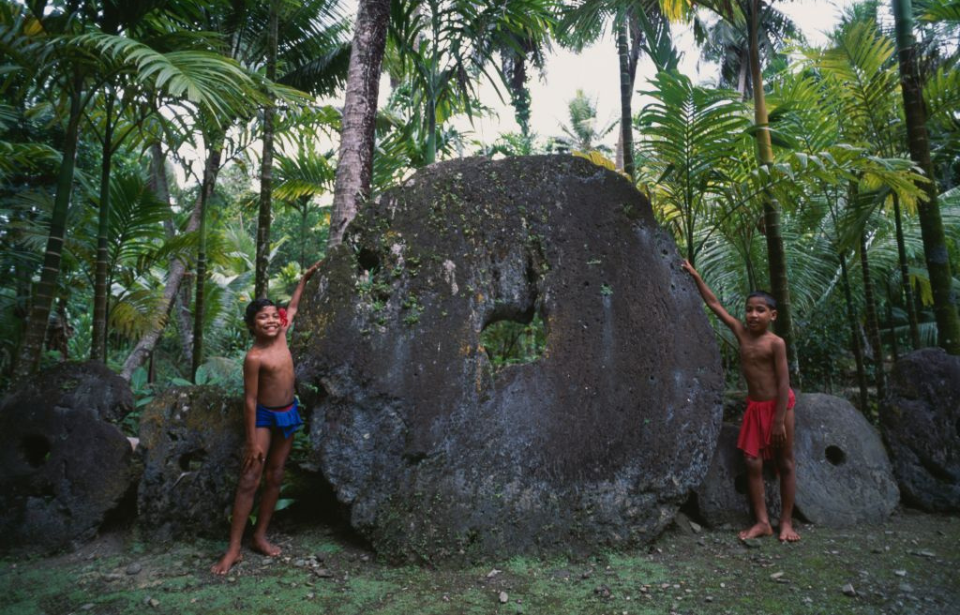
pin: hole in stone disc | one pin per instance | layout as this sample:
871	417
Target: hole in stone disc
740	484
192	461
835	455
35	450
512	340
368	259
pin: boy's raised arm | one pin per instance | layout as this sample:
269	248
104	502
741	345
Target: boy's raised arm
295	299
711	299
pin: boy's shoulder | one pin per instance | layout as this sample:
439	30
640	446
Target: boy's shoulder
253	355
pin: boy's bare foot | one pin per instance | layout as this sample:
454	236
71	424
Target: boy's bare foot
261	545
230	558
787	533
757	531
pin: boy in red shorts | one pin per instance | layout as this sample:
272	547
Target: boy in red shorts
767	429
270	418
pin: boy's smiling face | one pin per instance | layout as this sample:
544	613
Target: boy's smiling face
759	315
267	322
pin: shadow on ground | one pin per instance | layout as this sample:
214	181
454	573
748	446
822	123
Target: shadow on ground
910	564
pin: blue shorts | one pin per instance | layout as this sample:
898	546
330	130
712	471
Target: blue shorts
285	418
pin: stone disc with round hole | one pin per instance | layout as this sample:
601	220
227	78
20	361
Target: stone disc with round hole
505	357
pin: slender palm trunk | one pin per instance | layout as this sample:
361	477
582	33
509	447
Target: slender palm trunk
206	192
266	165
905	277
355	165
931	225
178	269
854	333
430	150
873	323
894	344
305	209
31	347
626	95
98	343
771	210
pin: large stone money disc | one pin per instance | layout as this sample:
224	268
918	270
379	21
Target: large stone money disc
440	454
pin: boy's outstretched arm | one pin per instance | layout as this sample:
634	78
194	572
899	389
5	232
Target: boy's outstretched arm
295	299
711	299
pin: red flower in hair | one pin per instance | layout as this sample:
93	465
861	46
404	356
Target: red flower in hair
283	317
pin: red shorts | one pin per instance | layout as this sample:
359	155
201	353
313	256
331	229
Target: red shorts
754	438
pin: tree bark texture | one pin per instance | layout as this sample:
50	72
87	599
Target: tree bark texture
776	256
931	224
626	96
31	348
261	282
355	165
98	343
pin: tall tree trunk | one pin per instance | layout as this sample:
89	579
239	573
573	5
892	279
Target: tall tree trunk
28	359
854	333
261	282
771	210
98	343
873	323
931	225
894	344
178	269
626	95
905	277
206	192
355	164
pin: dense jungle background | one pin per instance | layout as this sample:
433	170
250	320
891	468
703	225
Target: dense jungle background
165	161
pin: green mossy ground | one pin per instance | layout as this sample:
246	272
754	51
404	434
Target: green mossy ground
709	572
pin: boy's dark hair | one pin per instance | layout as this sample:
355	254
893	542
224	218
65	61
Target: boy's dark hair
767	298
255	306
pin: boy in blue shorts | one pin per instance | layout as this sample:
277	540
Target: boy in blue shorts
270	419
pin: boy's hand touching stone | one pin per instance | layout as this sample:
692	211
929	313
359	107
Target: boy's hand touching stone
311	270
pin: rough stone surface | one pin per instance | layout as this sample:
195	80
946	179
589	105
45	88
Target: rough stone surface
843	473
722	497
594	444
192	440
844	476
62	469
920	420
89	386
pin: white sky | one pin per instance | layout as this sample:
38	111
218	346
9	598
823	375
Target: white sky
596	72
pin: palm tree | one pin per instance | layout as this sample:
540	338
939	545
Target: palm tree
584	132
693	137
726	42
934	241
60	58
355	161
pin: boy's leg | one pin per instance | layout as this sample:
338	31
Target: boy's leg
788	482
242	505
273	478
757	502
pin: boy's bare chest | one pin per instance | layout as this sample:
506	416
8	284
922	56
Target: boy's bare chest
276	361
755	353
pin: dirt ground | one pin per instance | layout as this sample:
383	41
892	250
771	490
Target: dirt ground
911	564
